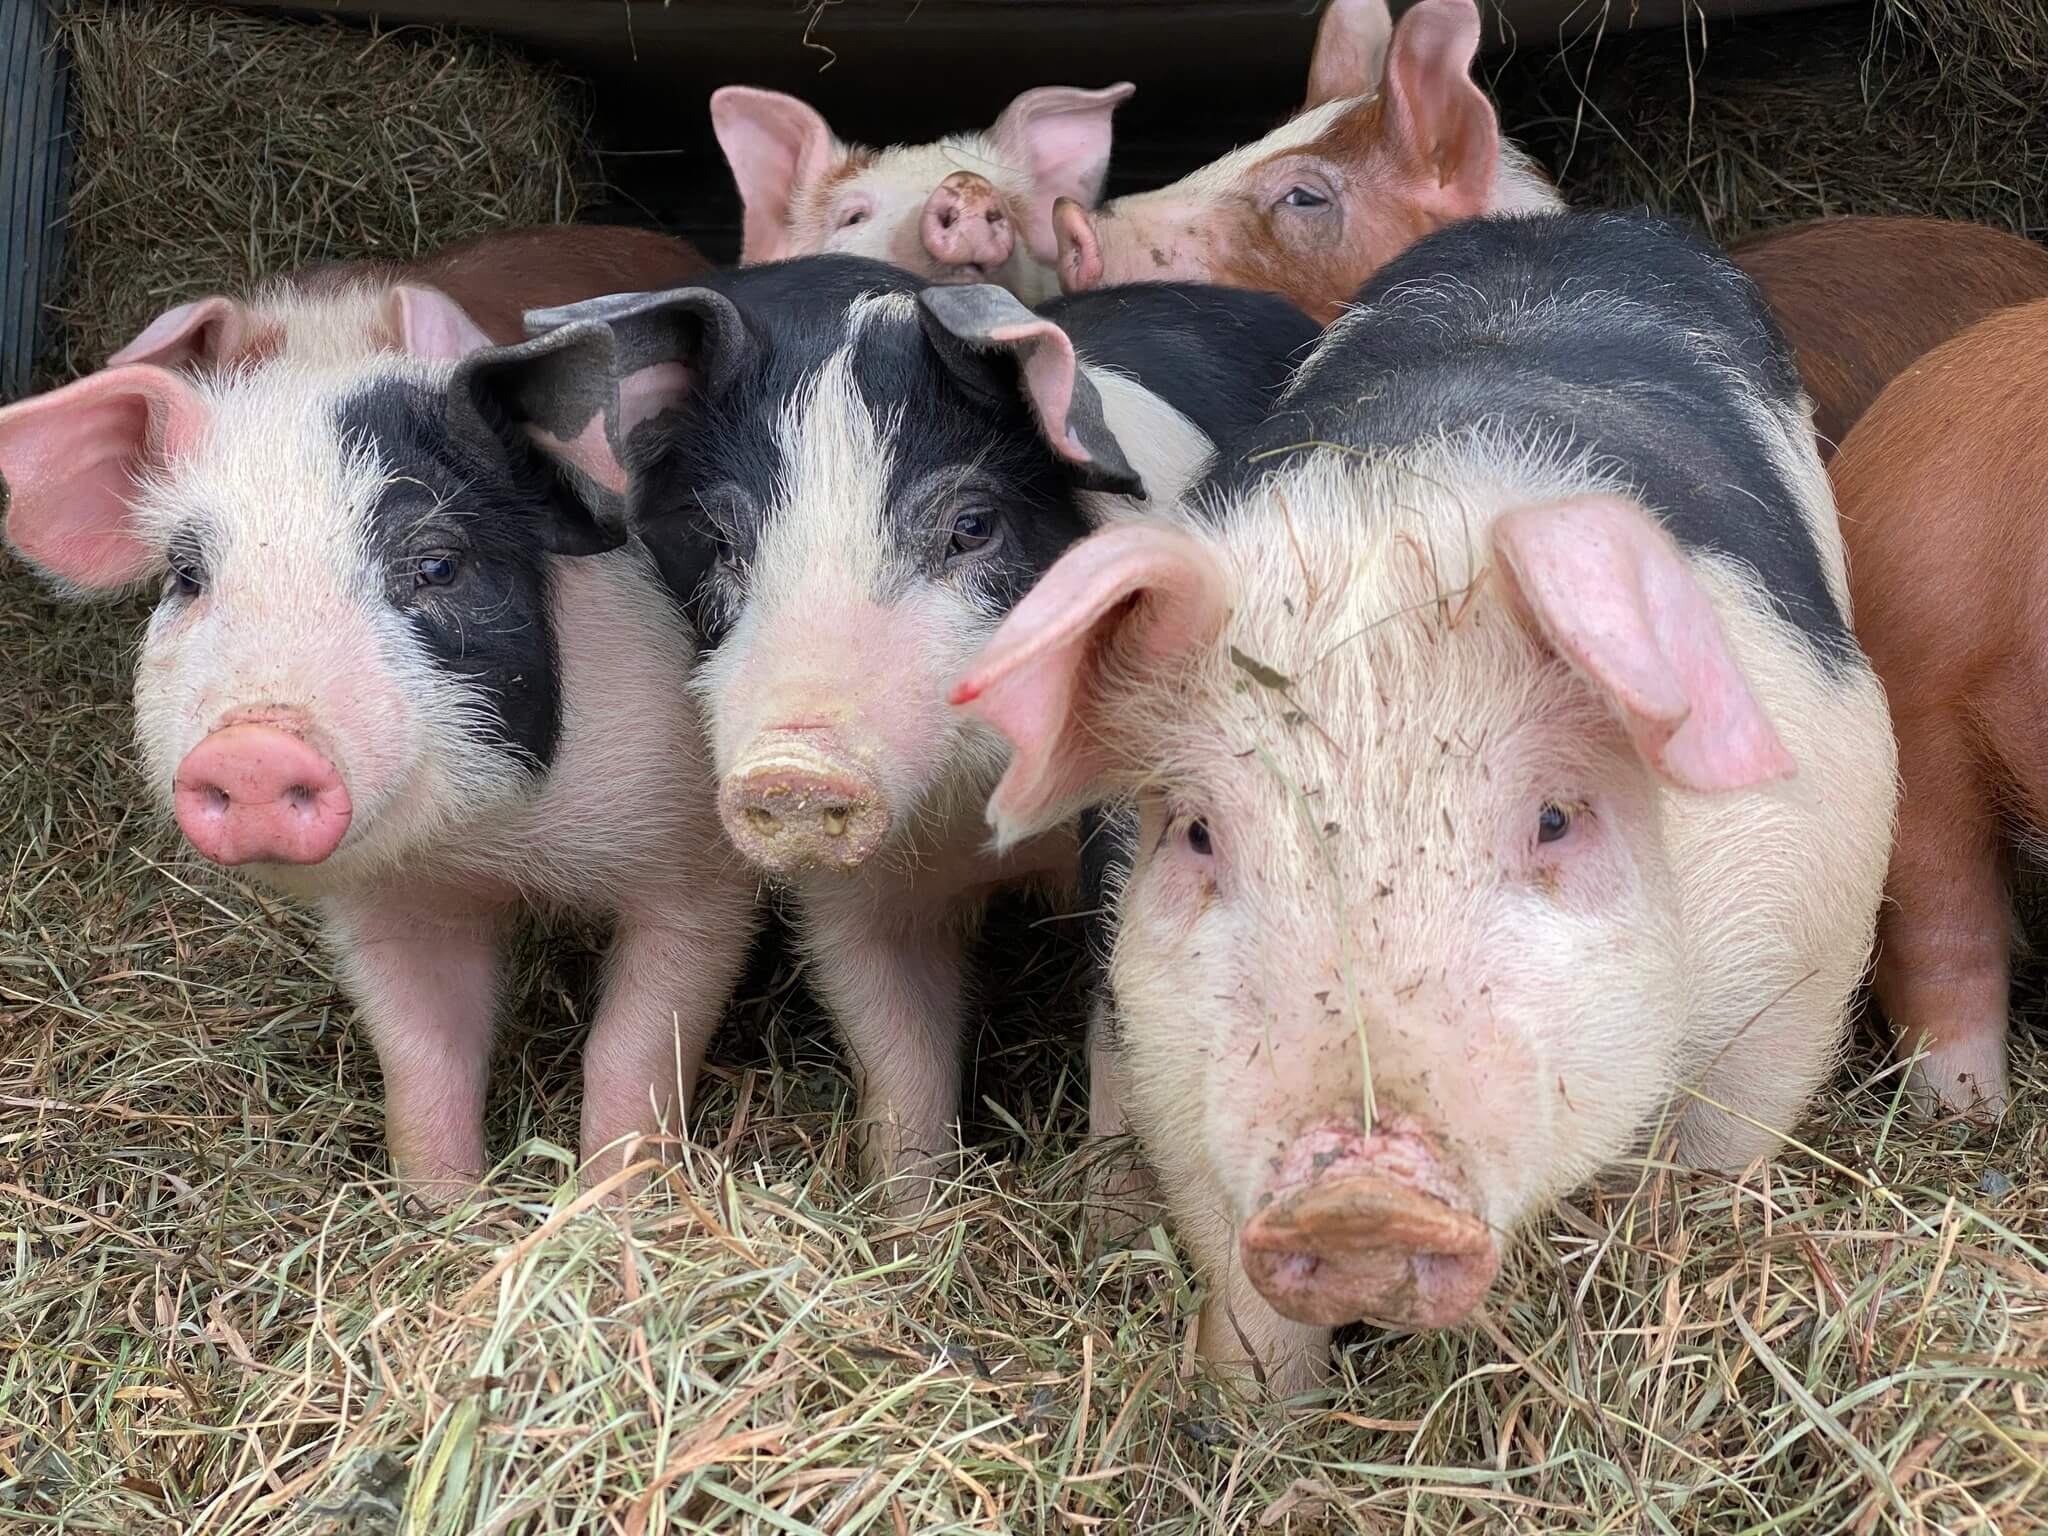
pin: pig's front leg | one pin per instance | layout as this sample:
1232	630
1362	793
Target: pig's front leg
426	990
1945	934
666	988
1122	1196
894	990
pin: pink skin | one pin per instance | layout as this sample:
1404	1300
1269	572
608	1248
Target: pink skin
803	804
966	225
1307	1213
257	794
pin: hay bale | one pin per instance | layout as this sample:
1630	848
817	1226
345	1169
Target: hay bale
215	148
1901	107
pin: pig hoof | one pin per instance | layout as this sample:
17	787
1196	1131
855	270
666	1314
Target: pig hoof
1967	1080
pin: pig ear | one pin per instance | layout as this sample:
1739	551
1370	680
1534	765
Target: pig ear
774	144
71	460
667	346
1061	136
1143	594
1351	51
433	326
556	393
971	323
1612	592
1438	121
199	334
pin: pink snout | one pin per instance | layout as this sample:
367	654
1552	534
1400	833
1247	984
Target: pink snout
1367	1229
967	224
256	794
800	805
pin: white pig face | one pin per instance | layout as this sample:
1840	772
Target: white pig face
1431	850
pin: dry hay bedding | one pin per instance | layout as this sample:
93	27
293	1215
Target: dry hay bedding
216	1316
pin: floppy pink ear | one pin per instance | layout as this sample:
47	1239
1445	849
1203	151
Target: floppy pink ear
1061	136
433	326
71	459
198	334
1351	51
775	145
1439	123
1146	593
1612	592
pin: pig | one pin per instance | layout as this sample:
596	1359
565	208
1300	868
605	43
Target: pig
970	208
1860	298
490	282
847	481
400	669
1501	790
1394	140
1943	490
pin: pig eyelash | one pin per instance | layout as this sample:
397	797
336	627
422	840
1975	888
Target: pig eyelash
188	569
1557	819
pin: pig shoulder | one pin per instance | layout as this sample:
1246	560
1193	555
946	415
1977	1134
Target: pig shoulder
1617	341
1220	356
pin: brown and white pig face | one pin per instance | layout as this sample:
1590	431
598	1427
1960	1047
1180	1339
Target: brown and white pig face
969	208
1326	199
354	649
1399	954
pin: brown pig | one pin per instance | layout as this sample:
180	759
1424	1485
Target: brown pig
1860	298
1943	494
1393	140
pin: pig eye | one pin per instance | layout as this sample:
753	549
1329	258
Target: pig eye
853	216
1553	821
1304	197
1198	839
971	531
434	569
186	573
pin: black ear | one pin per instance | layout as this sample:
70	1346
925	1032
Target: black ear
979	330
553	395
665	348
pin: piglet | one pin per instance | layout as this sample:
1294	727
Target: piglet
968	208
1860	298
1394	140
400	668
1502	790
1943	488
848	482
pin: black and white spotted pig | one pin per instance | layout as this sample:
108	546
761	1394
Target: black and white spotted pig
1506	781
374	680
856	483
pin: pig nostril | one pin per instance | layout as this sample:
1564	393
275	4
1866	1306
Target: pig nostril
216	799
834	818
761	819
300	796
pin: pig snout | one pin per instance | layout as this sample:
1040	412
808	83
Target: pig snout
1367	1228
1080	258
257	794
802	804
967	224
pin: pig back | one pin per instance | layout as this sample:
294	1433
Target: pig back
1859	299
1618	341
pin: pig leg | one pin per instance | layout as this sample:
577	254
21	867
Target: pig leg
1945	935
896	995
426	991
666	988
1122	1195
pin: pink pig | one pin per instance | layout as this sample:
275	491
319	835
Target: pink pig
1392	141
969	208
377	680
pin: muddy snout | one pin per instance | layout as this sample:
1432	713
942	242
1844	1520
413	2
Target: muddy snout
966	224
800	805
258	793
1359	1228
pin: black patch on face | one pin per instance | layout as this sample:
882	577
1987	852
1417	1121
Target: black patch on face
1580	330
1219	356
490	621
707	476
